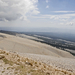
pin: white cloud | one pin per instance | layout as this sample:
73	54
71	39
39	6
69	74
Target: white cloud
2	3
70	23
63	19
46	1
56	17
47	6
63	11
17	9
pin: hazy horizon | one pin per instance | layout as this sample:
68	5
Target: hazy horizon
41	29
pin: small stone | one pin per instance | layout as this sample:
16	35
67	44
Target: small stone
29	63
2	56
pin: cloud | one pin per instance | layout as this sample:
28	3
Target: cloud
69	23
46	1
17	9
64	11
57	17
63	19
47	6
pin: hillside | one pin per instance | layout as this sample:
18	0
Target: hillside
14	64
25	45
22	56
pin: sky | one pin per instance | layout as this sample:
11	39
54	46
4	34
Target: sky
23	14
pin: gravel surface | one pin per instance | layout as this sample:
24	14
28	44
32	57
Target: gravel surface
59	62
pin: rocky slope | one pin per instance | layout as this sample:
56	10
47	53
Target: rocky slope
14	64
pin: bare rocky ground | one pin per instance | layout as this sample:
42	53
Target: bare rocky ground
59	62
23	56
24	45
14	64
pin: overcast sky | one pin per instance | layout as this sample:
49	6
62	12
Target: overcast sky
37	13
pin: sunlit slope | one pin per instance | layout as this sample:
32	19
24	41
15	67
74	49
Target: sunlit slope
15	64
24	45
